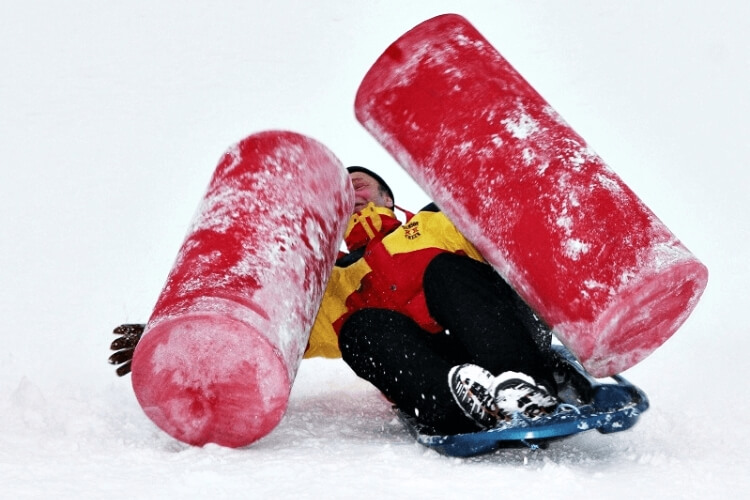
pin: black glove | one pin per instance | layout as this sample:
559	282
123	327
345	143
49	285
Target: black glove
130	334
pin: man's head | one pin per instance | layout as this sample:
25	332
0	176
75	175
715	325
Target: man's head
369	187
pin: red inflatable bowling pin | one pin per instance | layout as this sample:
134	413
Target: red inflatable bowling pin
563	229
222	347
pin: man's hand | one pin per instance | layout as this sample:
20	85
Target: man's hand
129	334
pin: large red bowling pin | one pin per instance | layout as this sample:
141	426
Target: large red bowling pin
223	345
563	229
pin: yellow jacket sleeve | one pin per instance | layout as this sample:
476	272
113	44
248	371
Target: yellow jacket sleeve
343	281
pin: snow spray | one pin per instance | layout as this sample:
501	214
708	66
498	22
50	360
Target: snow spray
556	222
223	345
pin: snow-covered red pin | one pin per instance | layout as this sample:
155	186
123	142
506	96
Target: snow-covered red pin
563	229
224	342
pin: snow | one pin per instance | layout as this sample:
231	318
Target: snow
112	119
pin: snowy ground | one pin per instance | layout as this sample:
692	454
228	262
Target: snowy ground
112	118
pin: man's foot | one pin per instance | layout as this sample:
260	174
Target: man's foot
518	392
471	387
489	400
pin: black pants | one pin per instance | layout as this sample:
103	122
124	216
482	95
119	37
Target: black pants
485	323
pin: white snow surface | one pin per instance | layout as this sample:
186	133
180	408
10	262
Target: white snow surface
113	116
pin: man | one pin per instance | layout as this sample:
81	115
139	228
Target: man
369	188
414	309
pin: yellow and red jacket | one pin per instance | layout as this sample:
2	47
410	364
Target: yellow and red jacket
388	274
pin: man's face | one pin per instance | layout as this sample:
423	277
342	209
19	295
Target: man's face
366	190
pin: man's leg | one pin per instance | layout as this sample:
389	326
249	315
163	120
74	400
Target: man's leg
407	364
484	315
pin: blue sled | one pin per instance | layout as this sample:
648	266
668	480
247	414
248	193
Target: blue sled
587	403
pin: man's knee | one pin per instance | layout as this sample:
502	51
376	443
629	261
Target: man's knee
370	330
447	271
445	263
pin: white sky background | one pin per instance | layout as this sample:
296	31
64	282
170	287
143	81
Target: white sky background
113	116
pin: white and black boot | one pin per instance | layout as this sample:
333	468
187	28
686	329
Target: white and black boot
489	400
472	388
518	392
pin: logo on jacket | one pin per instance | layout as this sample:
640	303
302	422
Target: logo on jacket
411	230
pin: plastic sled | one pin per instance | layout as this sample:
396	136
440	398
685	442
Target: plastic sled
607	405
